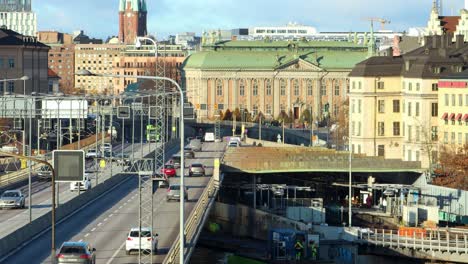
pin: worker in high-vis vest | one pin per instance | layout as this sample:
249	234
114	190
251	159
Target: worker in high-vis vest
299	247
313	250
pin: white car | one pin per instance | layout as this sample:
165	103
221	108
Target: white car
92	153
148	240
233	144
106	147
82	185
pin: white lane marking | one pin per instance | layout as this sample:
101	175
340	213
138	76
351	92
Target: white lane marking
125	203
116	211
92	230
129	200
86	235
111	215
106	219
116	253
99	224
120	207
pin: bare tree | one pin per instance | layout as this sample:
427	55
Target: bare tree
453	169
341	120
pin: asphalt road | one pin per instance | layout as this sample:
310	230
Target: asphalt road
106	222
12	219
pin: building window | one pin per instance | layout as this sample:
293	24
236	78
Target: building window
396	106
460	100
11	63
268	109
219	87
359	129
268	87
381	150
283	87
359	85
241	88
409	108
417	155
418	86
446	100
2	63
418	134
310	88
445	137
381	129
359	106
353	86
460	139
409	155
282	108
396	128
453	138
11	87
221	106
337	88
255	88
453	100
380	85
435	87
410	86
434	133
323	89
255	110
353	128
353	106
410	133
381	106
404	128
2	88
417	109
434	109
296	87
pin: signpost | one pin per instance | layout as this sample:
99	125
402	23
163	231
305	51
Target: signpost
69	165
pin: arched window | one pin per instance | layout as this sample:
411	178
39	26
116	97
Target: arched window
219	87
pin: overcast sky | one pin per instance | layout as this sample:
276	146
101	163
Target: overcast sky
99	18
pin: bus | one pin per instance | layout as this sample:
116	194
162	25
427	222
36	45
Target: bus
152	134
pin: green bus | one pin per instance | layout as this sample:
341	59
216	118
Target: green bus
152	134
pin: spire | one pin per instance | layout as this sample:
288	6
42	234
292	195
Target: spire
135	5
371	48
122	5
435	7
143	6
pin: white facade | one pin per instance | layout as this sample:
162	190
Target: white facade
292	30
24	23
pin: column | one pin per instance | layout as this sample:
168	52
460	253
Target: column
212	91
248	94
317	98
225	83
261	95
235	94
288	95
276	97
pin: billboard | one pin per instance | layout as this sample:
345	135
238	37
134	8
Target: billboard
52	108
69	165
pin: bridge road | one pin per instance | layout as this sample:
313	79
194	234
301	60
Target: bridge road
12	219
106	222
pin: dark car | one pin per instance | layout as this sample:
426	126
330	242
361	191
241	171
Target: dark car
197	169
175	161
76	252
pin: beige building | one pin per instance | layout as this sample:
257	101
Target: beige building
99	59
270	77
453	110
399	99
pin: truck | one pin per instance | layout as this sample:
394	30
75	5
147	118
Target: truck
152	134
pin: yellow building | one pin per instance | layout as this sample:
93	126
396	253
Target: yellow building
453	110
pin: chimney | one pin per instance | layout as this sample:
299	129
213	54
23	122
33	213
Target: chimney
460	40
443	42
435	40
390	52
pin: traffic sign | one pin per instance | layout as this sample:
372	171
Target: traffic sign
123	112
69	165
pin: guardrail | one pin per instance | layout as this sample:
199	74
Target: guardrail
23	174
194	223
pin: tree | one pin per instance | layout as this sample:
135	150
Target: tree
227	115
306	116
237	114
283	117
341	120
453	169
258	116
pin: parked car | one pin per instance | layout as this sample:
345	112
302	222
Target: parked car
195	145
189	153
169	170
173	193
92	154
12	199
175	161
234	144
209	137
148	240
121	159
82	185
76	252
44	174
197	169
106	147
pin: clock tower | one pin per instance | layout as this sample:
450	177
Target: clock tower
132	20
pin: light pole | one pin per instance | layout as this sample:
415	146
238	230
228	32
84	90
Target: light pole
181	125
350	182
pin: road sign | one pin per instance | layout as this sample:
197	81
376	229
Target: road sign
69	165
153	112
123	112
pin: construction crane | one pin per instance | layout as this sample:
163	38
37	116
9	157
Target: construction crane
382	21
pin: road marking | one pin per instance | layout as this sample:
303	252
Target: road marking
92	230
129	200
116	253
125	203
99	224
105	219
116	211
86	235
120	207
111	215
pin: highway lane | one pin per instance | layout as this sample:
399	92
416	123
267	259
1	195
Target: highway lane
105	223
10	220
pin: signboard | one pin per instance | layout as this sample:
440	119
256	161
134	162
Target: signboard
153	112
123	112
189	112
52	108
69	165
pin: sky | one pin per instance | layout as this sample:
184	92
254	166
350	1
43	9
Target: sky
99	18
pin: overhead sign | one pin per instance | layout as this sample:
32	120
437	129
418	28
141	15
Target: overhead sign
123	112
69	165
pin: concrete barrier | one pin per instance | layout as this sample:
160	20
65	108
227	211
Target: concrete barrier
29	231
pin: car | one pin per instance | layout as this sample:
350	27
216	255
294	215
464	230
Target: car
234	144
189	153
195	144
148	240
92	154
169	170
209	137
197	169
121	159
44	174
81	185
106	147
12	199
76	252
175	161
107	154
173	193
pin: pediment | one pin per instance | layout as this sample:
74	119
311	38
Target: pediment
299	65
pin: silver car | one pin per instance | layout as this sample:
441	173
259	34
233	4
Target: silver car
76	252
12	199
173	193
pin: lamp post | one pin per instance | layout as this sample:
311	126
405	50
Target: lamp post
350	181
181	125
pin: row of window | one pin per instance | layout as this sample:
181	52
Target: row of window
7	63
381	85
455	138
452	98
281	31
10	87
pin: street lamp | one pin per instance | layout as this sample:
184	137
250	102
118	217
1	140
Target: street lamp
350	179
181	125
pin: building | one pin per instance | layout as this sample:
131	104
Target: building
394	100
53	78
453	110
188	40
270	76
99	59
439	24
17	15
79	37
132	20
61	58
22	56
142	61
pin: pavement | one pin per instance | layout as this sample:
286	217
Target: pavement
106	222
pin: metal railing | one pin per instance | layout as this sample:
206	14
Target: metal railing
426	240
194	223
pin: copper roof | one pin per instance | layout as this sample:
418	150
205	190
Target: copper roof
51	74
449	23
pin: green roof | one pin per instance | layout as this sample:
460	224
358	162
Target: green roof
267	60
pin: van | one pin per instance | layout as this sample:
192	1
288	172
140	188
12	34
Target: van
209	137
195	145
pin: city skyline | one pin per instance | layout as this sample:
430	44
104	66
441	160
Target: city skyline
168	17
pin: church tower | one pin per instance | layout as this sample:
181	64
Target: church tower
132	20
